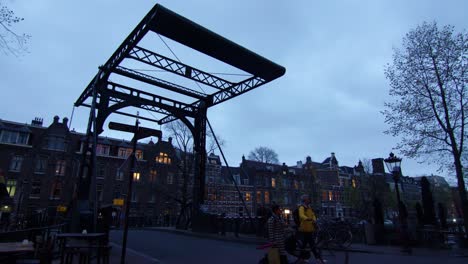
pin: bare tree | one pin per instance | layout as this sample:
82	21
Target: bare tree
183	138
264	154
428	84
10	41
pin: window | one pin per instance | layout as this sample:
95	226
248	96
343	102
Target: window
119	175
16	162
152	197
99	192
117	191
139	154
267	197
102	150
259	197
60	167
13	137
153	174
124	152
56	190
273	182
35	189
41	165
56	143
170	178
267	182
134	196
248	196
245	181
286	199
324	195
163	158
101	171
237	178
353	181
11	187
330	196
296	184
136	176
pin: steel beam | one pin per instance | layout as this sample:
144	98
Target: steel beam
158	82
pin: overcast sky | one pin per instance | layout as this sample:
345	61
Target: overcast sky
329	100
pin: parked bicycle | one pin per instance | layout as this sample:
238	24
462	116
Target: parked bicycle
333	233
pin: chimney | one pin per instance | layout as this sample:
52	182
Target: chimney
65	121
169	140
37	121
299	164
56	119
308	159
378	166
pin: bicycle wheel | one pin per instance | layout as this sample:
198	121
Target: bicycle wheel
343	238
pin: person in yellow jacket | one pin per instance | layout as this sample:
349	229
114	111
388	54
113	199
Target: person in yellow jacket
307	227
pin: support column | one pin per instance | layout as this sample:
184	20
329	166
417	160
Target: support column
199	139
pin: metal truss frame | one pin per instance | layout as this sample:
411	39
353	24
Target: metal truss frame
111	97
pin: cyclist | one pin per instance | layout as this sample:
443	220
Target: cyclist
307	227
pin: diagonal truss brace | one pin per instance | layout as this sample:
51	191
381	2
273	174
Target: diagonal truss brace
225	94
170	65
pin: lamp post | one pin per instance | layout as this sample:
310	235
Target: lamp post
287	212
394	166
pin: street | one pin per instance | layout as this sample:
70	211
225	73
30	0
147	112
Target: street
173	248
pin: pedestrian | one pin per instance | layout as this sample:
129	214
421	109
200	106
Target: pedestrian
276	233
307	227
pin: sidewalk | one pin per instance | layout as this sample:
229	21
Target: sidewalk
355	247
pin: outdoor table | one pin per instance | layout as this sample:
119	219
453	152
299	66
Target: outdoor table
87	241
10	250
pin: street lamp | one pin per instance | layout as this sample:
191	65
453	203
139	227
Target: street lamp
287	212
394	166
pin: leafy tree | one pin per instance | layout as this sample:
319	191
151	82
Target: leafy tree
264	154
10	41
428	85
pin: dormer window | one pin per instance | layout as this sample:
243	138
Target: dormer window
124	152
56	143
14	137
163	158
102	150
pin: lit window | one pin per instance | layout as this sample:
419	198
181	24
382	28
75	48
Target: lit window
330	196
273	182
353	181
11	187
163	158
296	184
41	165
136	176
60	168
259	197
153	174
16	162
120	175
324	195
139	154
35	189
170	178
267	197
247	196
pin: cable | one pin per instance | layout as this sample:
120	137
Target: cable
178	59
71	117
